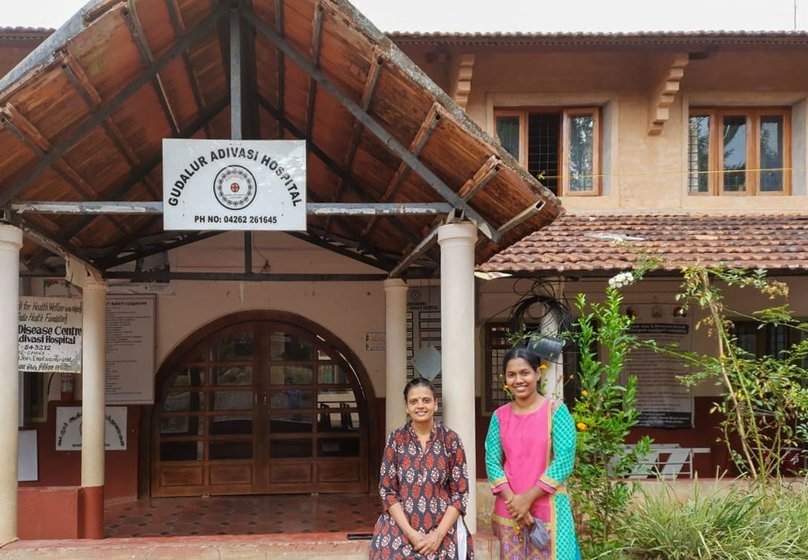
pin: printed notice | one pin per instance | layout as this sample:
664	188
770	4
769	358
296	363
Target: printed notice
663	401
49	334
130	349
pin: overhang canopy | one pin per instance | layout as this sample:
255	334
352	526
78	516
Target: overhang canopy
82	119
602	244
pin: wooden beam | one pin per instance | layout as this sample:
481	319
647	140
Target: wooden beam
481	178
377	129
356	132
15	122
76	76
71	139
281	66
332	165
178	25
424	132
146	55
316	43
146	168
665	92
425	245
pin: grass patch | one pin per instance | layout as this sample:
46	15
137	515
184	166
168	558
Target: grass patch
738	524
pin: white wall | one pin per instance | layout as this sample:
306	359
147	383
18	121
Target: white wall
348	309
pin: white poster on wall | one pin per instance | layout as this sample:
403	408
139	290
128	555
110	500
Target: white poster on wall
663	401
49	334
130	350
68	428
234	184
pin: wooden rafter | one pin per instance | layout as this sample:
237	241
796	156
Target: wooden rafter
137	175
463	84
178	25
377	129
69	140
316	43
14	121
424	132
281	67
356	132
665	92
333	166
81	83
136	30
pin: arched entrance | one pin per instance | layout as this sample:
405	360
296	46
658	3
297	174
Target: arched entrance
258	403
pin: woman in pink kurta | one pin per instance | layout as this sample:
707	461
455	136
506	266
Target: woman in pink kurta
529	453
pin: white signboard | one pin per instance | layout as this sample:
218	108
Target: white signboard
68	428
663	401
49	334
234	184
130	350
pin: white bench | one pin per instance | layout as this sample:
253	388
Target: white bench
667	461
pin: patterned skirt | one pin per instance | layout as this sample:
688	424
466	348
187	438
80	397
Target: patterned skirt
512	546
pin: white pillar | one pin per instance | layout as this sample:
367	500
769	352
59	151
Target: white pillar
10	244
457	344
395	318
553	378
92	405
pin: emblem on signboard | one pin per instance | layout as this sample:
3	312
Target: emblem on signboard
234	187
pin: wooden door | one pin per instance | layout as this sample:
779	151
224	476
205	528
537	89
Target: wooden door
260	407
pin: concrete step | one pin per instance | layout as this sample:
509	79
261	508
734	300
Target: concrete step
302	546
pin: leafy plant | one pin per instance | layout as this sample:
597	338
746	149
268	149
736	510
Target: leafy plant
764	402
604	414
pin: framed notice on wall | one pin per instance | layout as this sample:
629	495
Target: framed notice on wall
130	349
663	400
49	334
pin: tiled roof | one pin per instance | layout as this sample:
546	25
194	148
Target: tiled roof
577	38
599	243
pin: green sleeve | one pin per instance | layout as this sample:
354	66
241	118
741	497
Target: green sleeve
493	455
563	449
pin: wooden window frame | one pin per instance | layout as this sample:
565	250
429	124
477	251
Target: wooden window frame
563	156
715	152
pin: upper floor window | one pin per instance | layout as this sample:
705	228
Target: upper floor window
739	151
559	147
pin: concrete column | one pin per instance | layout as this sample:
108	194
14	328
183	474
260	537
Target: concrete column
92	407
10	244
457	343
395	319
553	378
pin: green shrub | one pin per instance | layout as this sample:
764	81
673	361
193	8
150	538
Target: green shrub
737	524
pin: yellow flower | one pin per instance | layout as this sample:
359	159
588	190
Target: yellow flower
543	366
581	426
584	393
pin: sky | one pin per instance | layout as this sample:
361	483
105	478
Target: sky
517	15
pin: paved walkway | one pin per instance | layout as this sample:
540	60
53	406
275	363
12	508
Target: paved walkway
242	515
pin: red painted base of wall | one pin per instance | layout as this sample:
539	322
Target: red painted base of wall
48	512
60	512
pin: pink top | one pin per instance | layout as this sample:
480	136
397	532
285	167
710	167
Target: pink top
525	444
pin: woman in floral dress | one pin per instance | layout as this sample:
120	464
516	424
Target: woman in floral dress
529	453
424	487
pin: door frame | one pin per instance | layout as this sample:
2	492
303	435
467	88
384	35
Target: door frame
368	415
